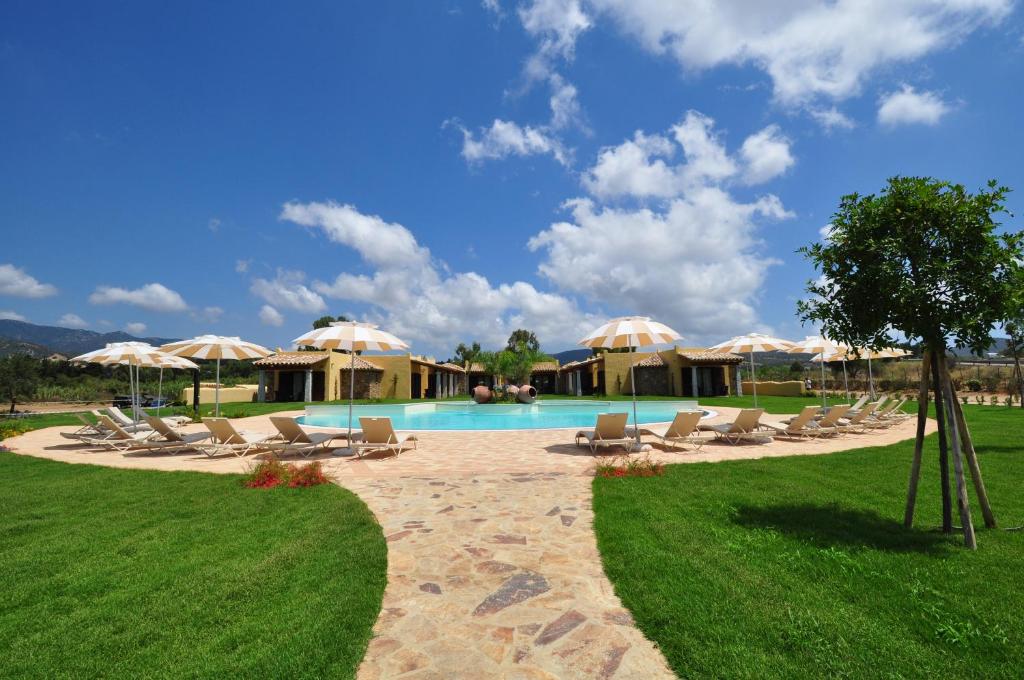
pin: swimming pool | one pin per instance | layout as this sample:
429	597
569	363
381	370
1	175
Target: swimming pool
545	414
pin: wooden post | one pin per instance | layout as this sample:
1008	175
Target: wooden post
958	466
922	420
947	501
972	463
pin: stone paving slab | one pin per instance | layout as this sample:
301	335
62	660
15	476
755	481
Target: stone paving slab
493	568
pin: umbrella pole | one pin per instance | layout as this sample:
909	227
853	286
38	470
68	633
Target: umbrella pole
216	392
871	379
846	383
824	399
131	390
351	392
160	392
632	385
753	377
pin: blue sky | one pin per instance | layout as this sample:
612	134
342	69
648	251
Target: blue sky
454	170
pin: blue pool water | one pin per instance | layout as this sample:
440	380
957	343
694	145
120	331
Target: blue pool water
545	414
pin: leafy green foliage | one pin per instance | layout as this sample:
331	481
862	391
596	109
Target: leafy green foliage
522	337
466	354
923	258
19	375
325	321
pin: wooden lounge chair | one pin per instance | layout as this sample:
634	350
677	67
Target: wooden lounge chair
859	404
226	439
682	430
800	427
379	435
295	439
891	414
610	430
745	427
857	422
171	439
116	437
878	405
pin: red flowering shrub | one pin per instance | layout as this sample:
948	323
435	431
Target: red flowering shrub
623	466
308	475
272	472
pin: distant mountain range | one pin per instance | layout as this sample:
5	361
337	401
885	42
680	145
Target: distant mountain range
41	341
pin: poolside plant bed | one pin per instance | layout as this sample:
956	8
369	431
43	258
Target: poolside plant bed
119	573
800	566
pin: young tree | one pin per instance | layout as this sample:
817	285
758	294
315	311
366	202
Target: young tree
325	321
465	356
924	259
19	376
521	336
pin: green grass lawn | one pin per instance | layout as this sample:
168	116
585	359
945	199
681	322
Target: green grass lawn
800	567
126	573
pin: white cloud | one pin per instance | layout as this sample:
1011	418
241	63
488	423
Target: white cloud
810	48
288	290
424	303
11	315
908	106
135	327
639	167
152	296
16	282
766	155
565	107
270	316
635	168
695	262
210	314
557	24
70	320
213	224
832	119
506	138
242	266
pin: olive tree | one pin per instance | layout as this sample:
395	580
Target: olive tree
924	259
19	376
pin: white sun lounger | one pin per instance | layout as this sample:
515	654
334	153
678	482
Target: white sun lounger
610	430
116	437
295	439
226	439
744	428
682	430
800	427
379	435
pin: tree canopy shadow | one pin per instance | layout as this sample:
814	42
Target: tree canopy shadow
831	525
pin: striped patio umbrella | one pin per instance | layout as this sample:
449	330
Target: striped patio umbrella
170	361
137	354
869	354
630	331
351	336
216	347
818	344
750	343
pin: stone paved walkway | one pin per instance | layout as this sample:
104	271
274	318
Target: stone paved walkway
493	569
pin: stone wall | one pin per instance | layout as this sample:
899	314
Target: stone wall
368	384
652	380
789	388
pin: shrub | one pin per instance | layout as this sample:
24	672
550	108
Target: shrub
308	475
980	399
994	400
272	472
268	474
623	466
974	385
1008	401
10	427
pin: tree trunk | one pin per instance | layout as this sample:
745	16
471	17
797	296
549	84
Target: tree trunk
922	420
958	466
947	500
1018	375
12	406
972	463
